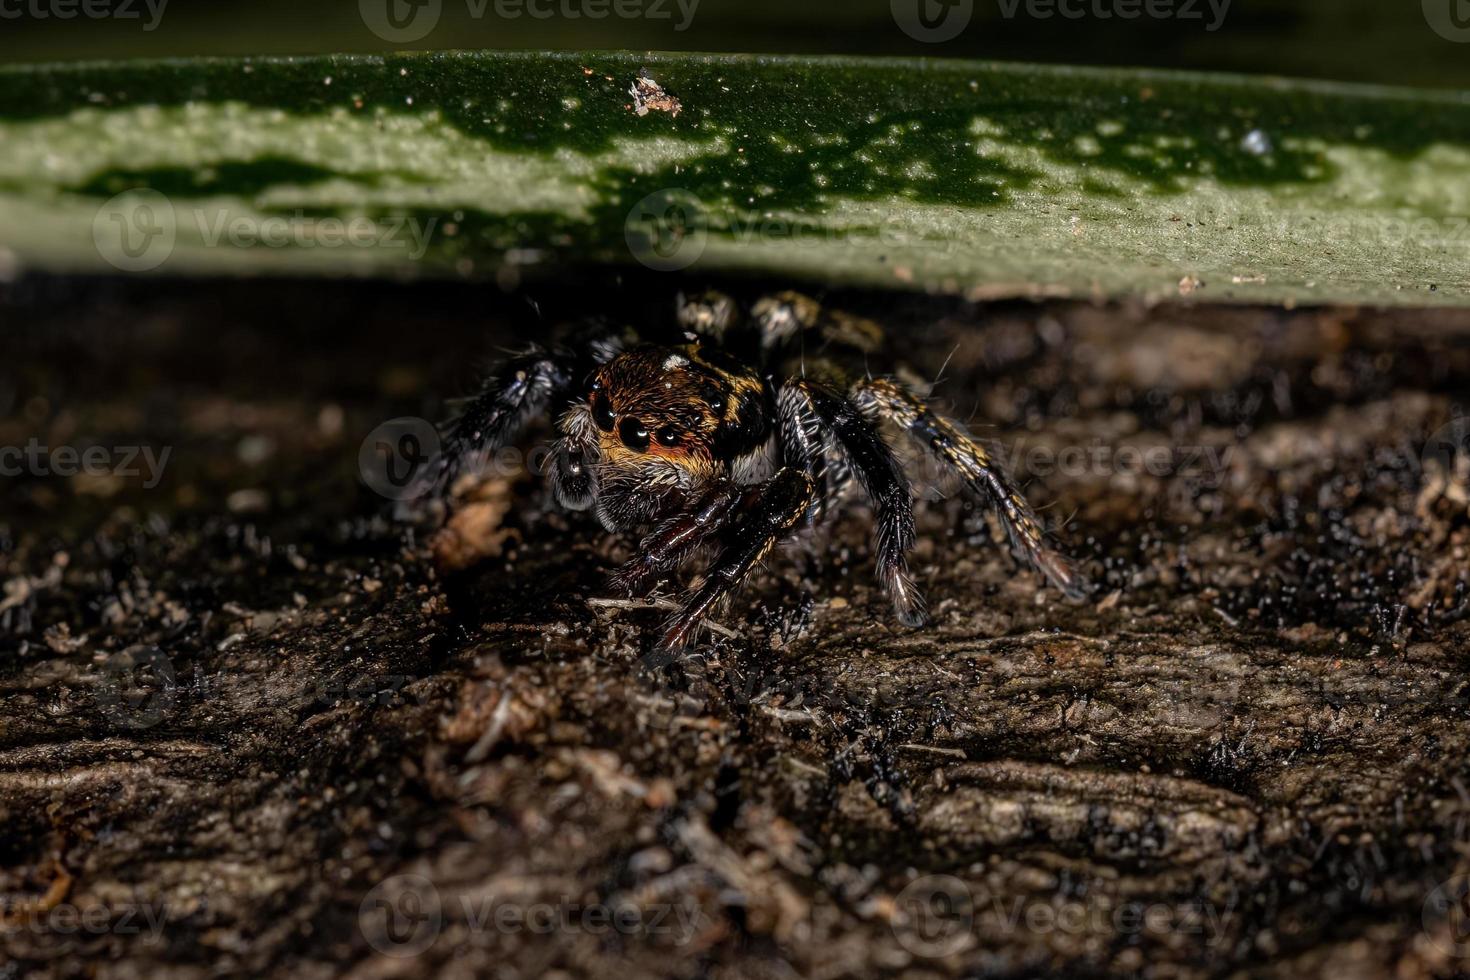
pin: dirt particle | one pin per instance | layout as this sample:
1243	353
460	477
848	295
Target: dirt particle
248	501
474	532
493	710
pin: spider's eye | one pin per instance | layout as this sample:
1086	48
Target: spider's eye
602	414
668	435
633	434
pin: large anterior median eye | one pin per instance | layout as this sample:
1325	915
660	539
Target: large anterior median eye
633	434
602	413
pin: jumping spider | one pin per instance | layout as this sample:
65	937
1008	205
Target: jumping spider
734	431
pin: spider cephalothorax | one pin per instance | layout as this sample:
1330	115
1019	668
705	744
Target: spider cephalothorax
720	438
659	422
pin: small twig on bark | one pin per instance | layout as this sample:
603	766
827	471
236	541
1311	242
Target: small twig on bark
667	604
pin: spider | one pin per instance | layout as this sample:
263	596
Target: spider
735	430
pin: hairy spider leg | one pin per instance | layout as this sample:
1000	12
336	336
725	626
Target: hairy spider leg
707	314
672	541
520	388
886	398
806	446
887	487
771	511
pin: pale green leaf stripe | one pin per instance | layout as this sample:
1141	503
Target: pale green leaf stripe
983	179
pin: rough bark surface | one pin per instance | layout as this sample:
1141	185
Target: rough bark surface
250	725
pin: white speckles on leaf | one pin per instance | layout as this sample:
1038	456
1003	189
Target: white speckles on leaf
1256	143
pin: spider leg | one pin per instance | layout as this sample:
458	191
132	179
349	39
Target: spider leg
709	314
784	319
772	510
519	389
573	460
805	445
881	476
673	540
884	397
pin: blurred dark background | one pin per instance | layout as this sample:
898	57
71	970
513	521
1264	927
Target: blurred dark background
1417	42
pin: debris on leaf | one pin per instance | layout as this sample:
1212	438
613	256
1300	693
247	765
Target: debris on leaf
649	96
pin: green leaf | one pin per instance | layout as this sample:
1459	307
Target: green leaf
984	179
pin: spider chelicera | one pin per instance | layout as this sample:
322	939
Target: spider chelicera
736	432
